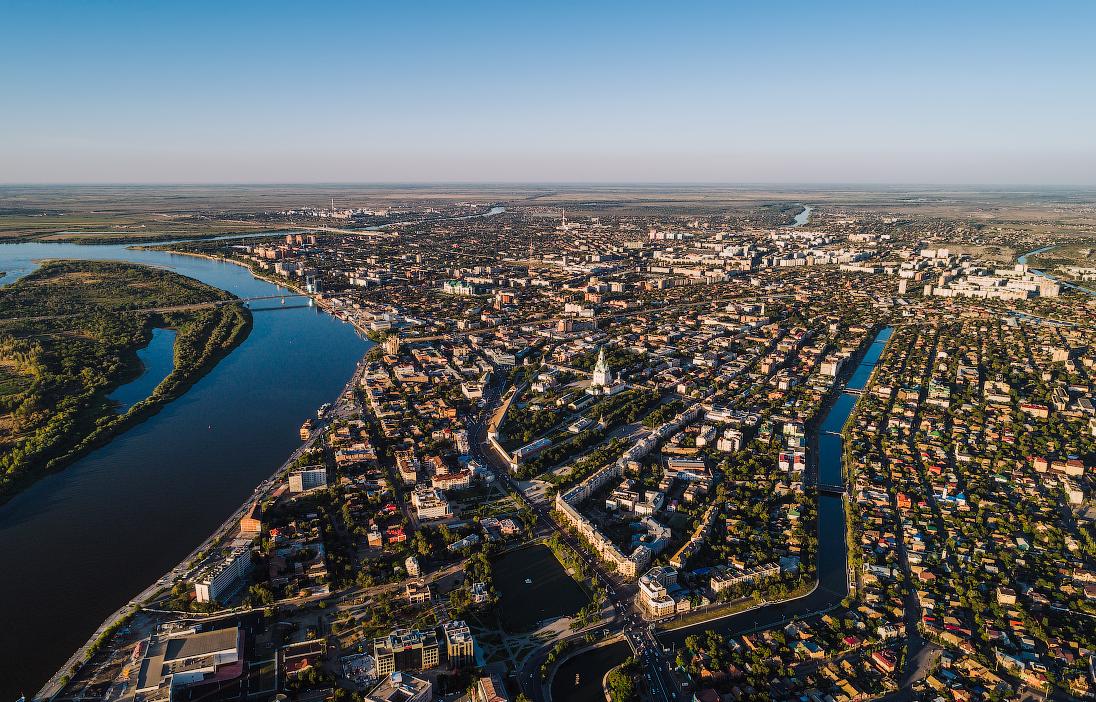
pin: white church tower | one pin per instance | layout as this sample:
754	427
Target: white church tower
603	377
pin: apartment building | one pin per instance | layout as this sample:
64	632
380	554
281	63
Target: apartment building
406	649
429	503
654	596
223	578
723	577
459	644
307	478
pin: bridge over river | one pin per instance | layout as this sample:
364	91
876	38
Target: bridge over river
167	308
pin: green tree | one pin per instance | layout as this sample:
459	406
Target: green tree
621	683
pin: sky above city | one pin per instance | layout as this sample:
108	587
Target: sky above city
730	92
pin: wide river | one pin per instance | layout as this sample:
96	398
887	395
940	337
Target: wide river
80	543
579	679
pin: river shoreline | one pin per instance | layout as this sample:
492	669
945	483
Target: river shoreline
281	283
137	413
1023	258
60	678
125	513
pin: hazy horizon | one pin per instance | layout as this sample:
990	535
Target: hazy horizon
652	184
791	93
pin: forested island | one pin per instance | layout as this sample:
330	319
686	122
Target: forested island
69	335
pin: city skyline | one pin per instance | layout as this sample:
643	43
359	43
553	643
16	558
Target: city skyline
783	94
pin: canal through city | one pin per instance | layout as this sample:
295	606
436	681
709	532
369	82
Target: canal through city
579	679
81	542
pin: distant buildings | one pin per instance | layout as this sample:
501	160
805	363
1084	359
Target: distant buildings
832	366
489	689
698	537
656	594
470	540
472	389
528	451
407	465
602	382
460	288
723	577
971	279
566	502
455	480
603	377
418	592
252	521
429	503
479	593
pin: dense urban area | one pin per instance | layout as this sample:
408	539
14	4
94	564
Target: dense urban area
787	449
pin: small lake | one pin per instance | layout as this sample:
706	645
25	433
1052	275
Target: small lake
157	361
550	593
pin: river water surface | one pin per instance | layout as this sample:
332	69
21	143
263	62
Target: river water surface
80	543
803	217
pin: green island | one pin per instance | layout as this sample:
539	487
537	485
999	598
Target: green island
69	335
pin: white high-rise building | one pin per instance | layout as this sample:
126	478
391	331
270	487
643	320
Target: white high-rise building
224	576
307	478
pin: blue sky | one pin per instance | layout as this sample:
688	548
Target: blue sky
417	91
